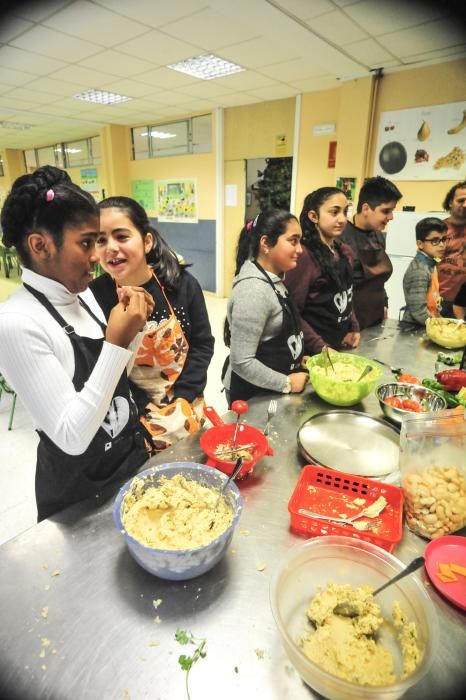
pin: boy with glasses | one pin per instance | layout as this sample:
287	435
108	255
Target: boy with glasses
420	281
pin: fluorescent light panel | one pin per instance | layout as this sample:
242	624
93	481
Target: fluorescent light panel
102	97
206	67
14	125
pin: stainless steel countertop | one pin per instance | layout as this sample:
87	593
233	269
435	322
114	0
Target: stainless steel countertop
98	610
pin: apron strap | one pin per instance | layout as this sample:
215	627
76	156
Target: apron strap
68	328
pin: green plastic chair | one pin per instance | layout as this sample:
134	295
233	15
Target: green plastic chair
10	260
4	387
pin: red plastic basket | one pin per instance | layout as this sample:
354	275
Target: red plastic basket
330	492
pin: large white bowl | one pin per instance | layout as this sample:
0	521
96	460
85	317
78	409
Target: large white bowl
311	565
447	332
180	565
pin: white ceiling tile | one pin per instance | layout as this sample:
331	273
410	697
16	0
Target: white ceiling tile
453	51
15	77
10	103
237	99
82	77
37	11
170	97
384	17
56	109
12	57
127	87
71	105
54	44
208	89
4	88
304	9
337	28
260	52
368	51
247	80
25	93
159	48
167	78
170	111
210	30
294	70
345	3
155	14
197	106
324	82
116	63
149	104
276	92
12	27
91	22
53	87
432	36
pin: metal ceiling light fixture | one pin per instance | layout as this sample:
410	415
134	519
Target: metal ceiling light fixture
206	67
101	97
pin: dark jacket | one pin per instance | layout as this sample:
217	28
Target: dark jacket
189	306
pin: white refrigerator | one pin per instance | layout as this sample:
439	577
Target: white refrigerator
401	248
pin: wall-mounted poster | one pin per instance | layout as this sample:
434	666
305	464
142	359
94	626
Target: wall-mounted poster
177	201
90	182
348	185
423	143
143	192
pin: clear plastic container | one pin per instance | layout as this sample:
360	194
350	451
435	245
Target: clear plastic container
433	472
311	565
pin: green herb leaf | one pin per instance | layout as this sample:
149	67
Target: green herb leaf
185	662
182	636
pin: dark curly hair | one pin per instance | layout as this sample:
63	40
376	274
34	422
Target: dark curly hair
311	237
161	257
451	194
27	208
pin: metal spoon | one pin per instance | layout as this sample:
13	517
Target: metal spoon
348	609
395	370
236	468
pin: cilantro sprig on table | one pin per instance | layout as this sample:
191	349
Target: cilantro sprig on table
187	662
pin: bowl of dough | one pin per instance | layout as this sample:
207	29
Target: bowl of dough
340	385
170	520
376	655
447	332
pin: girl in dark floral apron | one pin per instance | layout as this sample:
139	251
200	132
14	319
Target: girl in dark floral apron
263	328
170	369
68	368
322	282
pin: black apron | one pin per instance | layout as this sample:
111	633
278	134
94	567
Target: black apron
329	309
116	451
283	353
370	298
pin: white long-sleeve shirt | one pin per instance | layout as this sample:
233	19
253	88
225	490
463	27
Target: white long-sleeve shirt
37	360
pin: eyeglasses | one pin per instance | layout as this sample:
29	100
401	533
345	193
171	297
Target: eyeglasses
436	241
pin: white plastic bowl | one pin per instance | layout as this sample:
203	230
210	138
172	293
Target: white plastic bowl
180	565
311	565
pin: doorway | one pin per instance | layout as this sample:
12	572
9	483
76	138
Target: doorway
268	185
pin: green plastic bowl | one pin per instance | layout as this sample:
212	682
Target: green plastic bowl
341	393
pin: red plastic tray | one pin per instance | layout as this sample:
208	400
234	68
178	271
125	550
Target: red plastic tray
330	492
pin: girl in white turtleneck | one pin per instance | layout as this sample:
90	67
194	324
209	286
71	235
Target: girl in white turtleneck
68	367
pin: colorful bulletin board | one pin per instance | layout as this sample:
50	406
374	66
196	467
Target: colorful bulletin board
90	182
177	201
143	192
423	143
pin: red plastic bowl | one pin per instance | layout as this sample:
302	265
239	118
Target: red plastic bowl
222	433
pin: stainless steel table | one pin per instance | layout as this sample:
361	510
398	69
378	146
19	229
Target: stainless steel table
70	581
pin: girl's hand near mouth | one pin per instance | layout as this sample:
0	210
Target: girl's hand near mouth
129	316
124	294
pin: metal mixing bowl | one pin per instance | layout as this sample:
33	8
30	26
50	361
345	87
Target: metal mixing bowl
429	399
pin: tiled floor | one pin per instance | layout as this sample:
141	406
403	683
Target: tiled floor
18	446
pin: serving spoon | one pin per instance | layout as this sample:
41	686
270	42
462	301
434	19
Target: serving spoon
348	609
236	468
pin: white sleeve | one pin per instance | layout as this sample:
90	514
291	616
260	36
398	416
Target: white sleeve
28	361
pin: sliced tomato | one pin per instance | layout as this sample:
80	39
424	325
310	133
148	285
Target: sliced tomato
409	379
411	405
394	401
